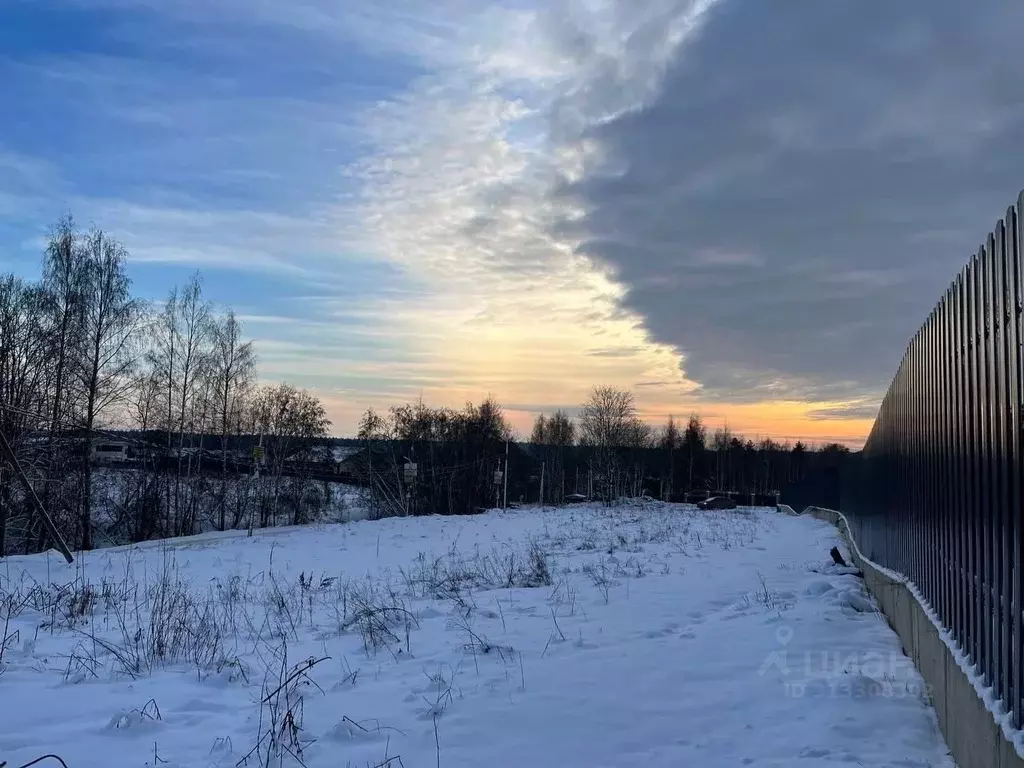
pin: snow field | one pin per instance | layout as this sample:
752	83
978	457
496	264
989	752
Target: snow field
643	635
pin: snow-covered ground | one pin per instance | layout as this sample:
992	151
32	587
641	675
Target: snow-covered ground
653	635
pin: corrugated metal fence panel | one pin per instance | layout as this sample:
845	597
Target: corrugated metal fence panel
938	490
1015	358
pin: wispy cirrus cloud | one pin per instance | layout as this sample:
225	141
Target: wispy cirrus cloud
461	189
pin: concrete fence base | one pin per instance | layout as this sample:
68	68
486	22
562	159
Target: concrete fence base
972	734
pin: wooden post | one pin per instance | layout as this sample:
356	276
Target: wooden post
543	464
30	492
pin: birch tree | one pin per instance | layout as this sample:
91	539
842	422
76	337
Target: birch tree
233	371
106	356
23	363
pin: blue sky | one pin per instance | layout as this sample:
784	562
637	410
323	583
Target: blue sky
210	142
454	199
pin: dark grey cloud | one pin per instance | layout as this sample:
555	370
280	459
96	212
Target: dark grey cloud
846	412
805	184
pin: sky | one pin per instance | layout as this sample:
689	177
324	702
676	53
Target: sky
737	208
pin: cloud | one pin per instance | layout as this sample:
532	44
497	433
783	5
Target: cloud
802	185
241	240
461	188
717	203
847	411
412	143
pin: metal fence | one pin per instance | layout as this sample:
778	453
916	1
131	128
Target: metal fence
937	493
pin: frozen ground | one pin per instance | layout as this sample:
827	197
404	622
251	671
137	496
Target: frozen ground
647	636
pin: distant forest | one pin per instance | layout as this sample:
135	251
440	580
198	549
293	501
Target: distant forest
85	365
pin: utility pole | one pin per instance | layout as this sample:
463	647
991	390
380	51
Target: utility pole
543	465
671	471
31	494
257	458
505	478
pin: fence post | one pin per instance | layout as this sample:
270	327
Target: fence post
1002	422
963	448
1016	334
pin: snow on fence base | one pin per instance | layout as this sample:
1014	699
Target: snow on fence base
973	724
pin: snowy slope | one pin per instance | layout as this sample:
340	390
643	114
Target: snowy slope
636	636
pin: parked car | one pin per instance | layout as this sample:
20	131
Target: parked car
717	502
575	498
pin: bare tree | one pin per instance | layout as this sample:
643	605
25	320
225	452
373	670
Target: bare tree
640	435
670	441
720	445
539	435
163	354
371	425
557	429
64	279
106	358
608	418
556	433
144	402
64	275
609	421
293	425
233	372
486	422
23	362
194	315
561	430
694	442
382	475
180	358
69	367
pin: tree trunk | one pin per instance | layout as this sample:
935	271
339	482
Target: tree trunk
5	506
90	419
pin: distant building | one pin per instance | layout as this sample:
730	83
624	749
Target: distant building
111	452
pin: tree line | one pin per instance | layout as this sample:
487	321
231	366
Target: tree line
176	380
441	460
83	361
627	456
